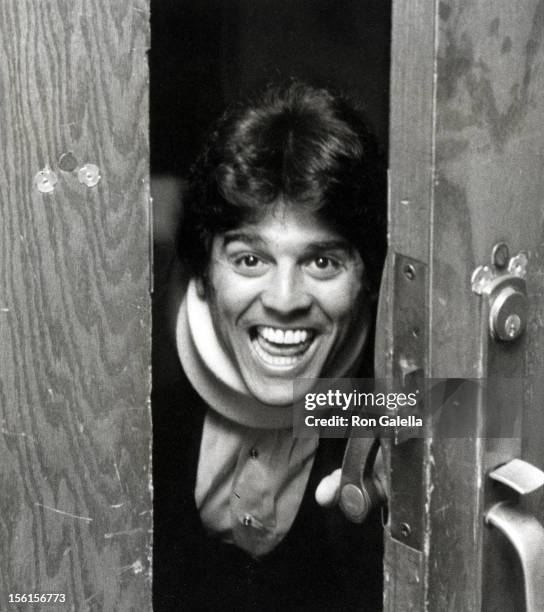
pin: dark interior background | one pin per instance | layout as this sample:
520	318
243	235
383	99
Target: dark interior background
206	54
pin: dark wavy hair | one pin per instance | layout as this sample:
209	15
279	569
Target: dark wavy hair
302	145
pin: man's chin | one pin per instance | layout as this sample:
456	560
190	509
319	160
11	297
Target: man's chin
280	392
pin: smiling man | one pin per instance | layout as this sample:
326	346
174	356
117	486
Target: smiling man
284	299
283	242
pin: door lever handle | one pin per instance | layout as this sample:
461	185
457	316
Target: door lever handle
360	488
521	528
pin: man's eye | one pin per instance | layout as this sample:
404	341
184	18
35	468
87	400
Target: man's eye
325	262
324	267
250	261
249	264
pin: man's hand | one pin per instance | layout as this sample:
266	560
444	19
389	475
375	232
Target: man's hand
328	490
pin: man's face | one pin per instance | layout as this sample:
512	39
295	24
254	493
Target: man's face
284	294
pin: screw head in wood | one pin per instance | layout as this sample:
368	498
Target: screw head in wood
518	265
500	255
45	180
89	174
481	277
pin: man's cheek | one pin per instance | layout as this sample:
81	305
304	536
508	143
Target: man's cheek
339	306
238	297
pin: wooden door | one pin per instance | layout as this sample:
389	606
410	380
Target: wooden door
466	160
75	509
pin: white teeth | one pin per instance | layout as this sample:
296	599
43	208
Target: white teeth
268	334
274	360
280	336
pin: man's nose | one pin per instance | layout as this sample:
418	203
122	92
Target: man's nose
286	291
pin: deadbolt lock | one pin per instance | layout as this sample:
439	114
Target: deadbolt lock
506	290
508	311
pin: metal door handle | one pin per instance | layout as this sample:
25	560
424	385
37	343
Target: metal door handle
360	488
521	528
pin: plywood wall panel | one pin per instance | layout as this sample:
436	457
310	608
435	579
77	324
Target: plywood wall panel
75	509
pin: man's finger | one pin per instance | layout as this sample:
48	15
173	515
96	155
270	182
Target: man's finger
328	489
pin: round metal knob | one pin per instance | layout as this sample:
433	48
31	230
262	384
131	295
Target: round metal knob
355	502
508	314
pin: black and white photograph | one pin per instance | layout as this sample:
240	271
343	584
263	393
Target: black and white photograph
272	305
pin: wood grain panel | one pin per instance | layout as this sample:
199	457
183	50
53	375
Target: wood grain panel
467	139
411	126
74	305
488	188
411	154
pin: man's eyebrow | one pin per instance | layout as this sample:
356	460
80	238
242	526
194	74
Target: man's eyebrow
255	240
330	245
246	237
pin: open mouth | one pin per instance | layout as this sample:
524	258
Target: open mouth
281	347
